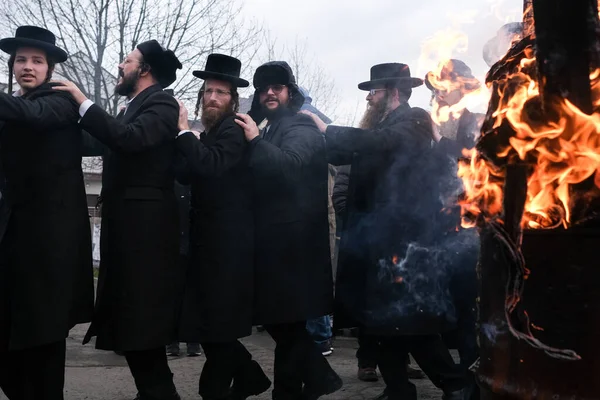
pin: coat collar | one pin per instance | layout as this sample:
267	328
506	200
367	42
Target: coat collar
395	115
138	100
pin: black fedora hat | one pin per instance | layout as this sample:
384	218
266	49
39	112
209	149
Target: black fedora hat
453	70
391	73
224	68
163	61
495	48
36	37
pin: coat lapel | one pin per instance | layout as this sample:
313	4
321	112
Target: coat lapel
137	102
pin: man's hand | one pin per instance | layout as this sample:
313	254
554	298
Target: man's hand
183	123
68	86
322	126
249	126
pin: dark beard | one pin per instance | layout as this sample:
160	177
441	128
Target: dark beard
211	116
129	84
374	114
273	115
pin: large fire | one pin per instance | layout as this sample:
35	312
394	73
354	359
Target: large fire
560	151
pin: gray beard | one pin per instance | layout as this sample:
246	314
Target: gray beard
374	115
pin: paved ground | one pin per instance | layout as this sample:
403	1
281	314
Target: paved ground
100	375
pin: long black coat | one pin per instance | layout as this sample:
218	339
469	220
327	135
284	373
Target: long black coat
391	216
462	259
293	266
46	276
219	287
140	280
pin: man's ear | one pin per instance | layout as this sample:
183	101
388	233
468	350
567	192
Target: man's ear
395	93
145	69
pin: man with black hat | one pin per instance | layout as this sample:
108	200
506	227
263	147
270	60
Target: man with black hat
140	282
46	276
391	206
293	277
449	84
495	48
219	293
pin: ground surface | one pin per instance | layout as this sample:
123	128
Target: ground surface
100	375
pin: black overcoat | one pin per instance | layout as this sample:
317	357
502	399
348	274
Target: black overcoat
46	276
140	279
293	265
219	288
391	216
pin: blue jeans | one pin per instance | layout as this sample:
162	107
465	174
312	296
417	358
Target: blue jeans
319	329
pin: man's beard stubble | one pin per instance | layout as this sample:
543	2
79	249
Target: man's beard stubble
374	114
129	84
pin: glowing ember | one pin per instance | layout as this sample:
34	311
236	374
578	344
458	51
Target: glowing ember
561	149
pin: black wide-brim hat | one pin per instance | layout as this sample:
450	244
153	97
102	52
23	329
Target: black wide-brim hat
223	68
163	62
453	70
496	47
395	74
36	37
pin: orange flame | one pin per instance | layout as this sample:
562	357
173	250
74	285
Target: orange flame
448	82
562	150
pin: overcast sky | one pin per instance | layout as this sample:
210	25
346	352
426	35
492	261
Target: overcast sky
348	37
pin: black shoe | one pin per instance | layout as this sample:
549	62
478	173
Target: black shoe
250	381
327	384
457	395
325	348
260	328
414	373
173	349
175	397
367	374
193	349
387	396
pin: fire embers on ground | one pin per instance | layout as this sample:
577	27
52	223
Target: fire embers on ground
559	145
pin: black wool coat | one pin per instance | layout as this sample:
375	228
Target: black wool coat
46	276
390	215
219	288
293	265
140	279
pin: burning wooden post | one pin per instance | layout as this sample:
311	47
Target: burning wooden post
533	189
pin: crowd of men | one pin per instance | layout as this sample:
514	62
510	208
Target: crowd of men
258	250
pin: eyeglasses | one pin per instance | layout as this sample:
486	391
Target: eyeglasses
275	88
218	92
373	92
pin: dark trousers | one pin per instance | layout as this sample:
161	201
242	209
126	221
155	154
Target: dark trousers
432	355
151	373
298	361
368	350
37	373
223	362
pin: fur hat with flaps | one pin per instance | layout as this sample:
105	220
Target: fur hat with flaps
275	73
163	62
